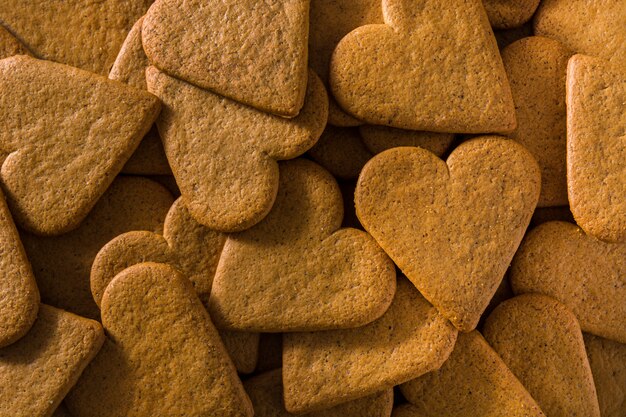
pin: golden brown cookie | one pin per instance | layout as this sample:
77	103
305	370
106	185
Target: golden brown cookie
507	14
251	52
540	340
341	151
19	296
223	154
62	263
266	393
39	369
86	35
10	45
55	121
585	274
593	27
412	72
297	270
175	365
596	149
608	366
323	369
472	382
536	67
380	138
452	227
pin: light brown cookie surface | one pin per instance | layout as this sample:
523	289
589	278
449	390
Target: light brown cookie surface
506	14
412	72
536	68
226	169
380	138
55	119
410	339
452	227
341	151
540	340
176	364
86	35
585	274
608	366
596	149
39	369
252	52
472	382
298	270
10	45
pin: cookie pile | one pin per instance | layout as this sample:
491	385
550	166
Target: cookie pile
355	208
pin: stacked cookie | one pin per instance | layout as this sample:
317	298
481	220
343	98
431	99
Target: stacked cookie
408	208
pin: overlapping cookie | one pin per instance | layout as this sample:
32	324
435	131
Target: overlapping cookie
10	45
507	14
380	138
608	366
341	151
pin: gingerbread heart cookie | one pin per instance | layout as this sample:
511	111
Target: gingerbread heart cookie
540	340
412	72
608	366
506	14
596	146
380	138
452	227
585	274
176	364
10	45
223	154
341	151
55	121
409	340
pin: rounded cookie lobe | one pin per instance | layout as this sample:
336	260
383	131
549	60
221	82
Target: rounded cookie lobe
608	366
507	14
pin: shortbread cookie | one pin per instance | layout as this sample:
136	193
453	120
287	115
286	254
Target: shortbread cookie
86	35
176	364
540	340
266	393
536	68
472	382
19	296
251	52
39	369
506	14
380	138
409	340
223	154
341	151
596	149
452	227
62	263
548	214
412	72
608	366
592	27
55	121
298	270
10	45
587	275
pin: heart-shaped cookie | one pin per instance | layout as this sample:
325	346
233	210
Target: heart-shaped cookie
540	340
452	227
506	14
162	357
251	52
433	66
67	134
39	369
297	270
223	154
587	275
608	366
323	369
9	45
381	138
596	146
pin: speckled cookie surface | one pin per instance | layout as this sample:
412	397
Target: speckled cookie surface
506	14
226	169
410	339
536	68
256	52
608	366
472	382
298	270
413	73
380	138
586	274
82	34
452	227
593	27
55	119
341	151
266	393
540	340
175	365
9	45
596	149
62	263
39	369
